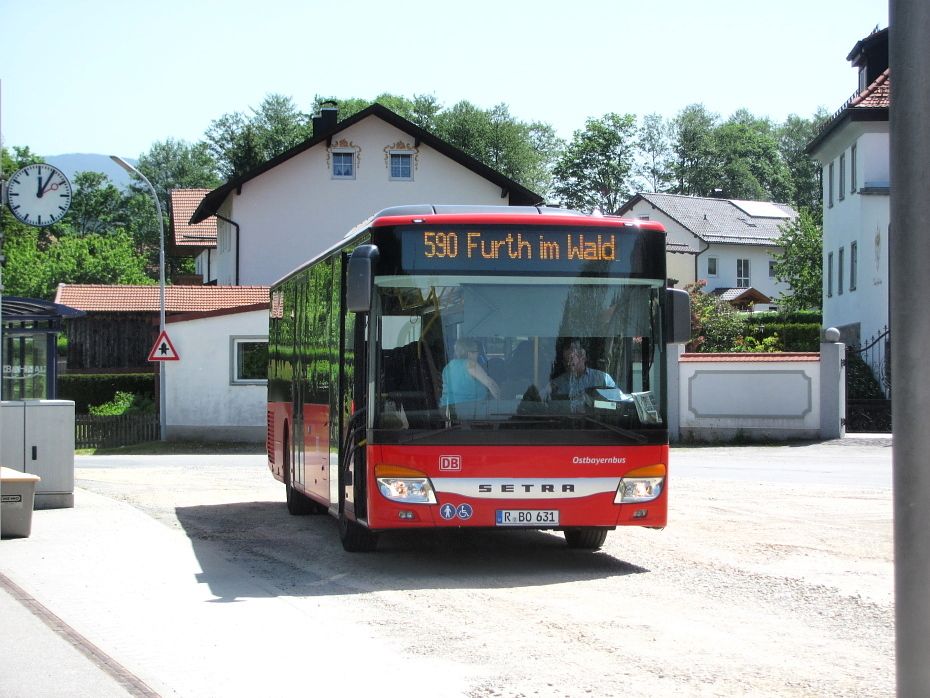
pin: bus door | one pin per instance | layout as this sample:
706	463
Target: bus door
353	389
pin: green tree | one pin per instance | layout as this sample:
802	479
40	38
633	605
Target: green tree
241	142
97	205
800	263
654	166
696	162
751	166
793	136
175	164
595	169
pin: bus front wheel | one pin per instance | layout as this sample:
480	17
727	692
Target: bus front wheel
355	537
585	538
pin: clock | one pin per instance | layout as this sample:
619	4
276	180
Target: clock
39	194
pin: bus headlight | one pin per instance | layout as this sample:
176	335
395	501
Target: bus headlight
641	485
400	484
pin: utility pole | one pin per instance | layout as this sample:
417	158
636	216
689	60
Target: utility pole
909	260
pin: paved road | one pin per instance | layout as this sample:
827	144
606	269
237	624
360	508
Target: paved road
184	576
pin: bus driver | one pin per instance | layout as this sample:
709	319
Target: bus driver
577	378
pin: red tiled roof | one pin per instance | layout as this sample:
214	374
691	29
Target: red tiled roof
178	299
183	204
878	94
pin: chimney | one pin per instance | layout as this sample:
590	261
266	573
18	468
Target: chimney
327	118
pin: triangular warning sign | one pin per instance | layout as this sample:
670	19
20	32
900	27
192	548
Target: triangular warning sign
163	350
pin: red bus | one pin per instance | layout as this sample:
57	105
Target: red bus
465	366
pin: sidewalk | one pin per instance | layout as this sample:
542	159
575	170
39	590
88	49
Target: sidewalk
133	589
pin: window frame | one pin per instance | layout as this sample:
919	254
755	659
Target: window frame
853	265
852	169
840	261
404	154
829	274
830	186
744	263
236	341
343	151
716	262
842	182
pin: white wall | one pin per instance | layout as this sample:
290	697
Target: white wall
722	397
862	218
202	402
297	209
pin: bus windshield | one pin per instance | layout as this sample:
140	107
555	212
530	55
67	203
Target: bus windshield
481	359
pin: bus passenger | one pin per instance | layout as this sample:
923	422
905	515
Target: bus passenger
577	378
463	378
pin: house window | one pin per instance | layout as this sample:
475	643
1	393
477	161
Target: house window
249	360
842	189
712	266
402	166
829	275
839	271
830	187
742	273
852	169
853	264
643	218
772	273
343	164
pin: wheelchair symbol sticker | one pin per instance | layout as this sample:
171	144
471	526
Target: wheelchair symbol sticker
464	511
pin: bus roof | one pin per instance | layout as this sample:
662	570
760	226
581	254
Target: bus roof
447	214
499	215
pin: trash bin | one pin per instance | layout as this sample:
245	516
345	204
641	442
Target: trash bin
17	497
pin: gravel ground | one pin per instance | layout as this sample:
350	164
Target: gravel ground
754	589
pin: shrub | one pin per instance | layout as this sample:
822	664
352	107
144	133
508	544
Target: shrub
124	403
97	389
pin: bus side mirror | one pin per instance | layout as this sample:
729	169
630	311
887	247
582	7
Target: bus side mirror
360	278
677	316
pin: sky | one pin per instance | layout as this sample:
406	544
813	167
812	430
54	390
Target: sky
116	76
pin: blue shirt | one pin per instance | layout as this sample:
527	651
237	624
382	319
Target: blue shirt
458	385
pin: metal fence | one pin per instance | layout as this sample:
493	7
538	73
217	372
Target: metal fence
868	385
91	431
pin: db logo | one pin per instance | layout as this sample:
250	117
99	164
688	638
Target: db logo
450	462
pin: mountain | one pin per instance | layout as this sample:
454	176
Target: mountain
91	162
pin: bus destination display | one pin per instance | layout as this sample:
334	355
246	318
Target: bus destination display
514	249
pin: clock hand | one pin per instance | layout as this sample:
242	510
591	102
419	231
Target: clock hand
41	189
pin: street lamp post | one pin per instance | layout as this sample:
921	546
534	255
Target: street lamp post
162	397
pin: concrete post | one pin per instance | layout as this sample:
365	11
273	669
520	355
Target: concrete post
909	259
832	386
673	373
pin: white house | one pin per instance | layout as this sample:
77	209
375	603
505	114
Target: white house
853	149
277	216
729	243
271	220
216	391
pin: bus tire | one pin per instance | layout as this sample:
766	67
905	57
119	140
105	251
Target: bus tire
355	537
585	538
299	504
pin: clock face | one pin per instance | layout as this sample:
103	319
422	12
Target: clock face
39	195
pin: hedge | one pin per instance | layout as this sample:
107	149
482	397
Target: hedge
88	389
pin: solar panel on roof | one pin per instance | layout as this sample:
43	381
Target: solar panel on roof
760	209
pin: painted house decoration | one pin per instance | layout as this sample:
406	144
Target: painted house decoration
853	150
275	217
729	243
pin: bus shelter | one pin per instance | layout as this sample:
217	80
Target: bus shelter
29	332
